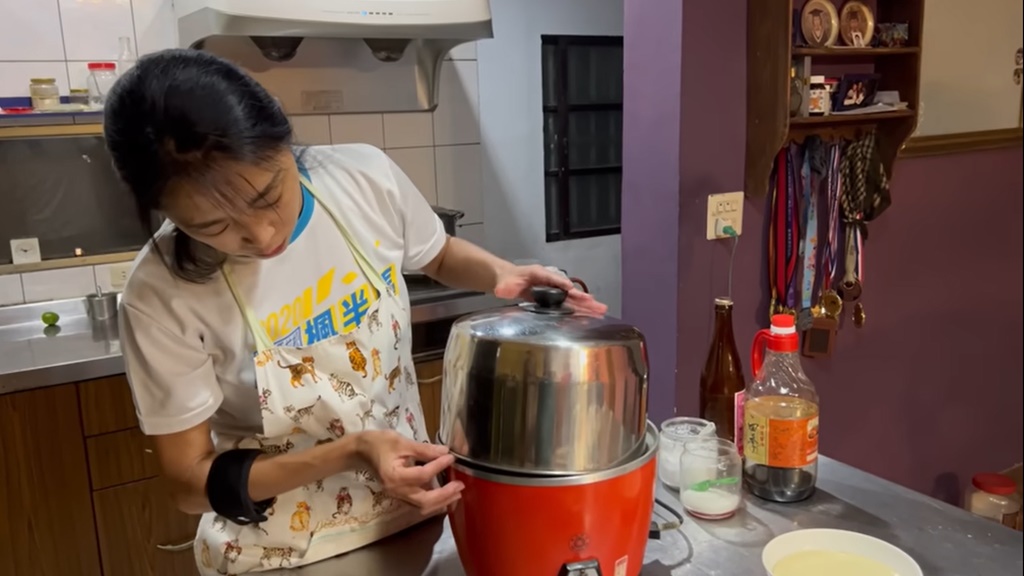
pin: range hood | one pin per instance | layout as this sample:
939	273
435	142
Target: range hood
337	56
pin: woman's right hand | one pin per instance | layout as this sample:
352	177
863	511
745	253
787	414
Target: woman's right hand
394	458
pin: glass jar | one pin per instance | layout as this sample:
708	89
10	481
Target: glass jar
674	433
44	92
79	96
102	76
819	103
710	472
991	496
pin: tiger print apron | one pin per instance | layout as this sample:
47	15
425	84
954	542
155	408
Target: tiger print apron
358	381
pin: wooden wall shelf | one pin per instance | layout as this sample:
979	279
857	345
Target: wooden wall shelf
770	56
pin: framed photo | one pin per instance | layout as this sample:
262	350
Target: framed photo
857	24
819	23
855	91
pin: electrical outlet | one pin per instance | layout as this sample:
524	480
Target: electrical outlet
119	275
725	215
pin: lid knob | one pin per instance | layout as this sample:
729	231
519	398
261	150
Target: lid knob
548	297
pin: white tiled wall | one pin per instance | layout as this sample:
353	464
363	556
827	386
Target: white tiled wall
440	151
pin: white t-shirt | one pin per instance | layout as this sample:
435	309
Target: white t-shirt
187	348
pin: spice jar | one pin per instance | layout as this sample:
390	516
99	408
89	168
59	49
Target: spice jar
102	76
818	103
44	92
675	432
79	96
991	496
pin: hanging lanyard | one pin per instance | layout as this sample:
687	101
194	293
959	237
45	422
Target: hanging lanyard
784	238
835	184
810	226
775	281
792	232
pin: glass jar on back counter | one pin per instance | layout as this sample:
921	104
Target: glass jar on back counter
44	92
992	496
102	76
675	432
780	418
79	96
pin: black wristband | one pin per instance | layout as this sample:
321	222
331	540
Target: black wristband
227	487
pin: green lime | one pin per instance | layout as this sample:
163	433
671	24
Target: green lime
51	318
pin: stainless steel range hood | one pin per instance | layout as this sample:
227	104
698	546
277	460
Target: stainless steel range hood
337	56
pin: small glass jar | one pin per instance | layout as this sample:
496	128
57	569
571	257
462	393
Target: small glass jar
674	433
992	496
44	92
79	96
710	478
819	102
102	76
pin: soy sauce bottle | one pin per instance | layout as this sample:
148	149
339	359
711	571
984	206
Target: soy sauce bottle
721	382
780	420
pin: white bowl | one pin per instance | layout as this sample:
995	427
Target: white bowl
839	541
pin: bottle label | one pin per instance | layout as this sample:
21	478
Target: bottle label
738	400
789	443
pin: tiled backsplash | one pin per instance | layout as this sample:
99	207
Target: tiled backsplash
440	151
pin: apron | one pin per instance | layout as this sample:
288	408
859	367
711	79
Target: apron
315	394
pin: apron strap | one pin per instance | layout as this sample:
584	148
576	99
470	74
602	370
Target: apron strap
259	334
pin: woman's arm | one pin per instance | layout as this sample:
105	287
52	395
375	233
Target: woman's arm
186	457
461	264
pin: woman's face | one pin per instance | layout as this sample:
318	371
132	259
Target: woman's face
257	221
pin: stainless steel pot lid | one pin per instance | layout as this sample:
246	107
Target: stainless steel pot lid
542	390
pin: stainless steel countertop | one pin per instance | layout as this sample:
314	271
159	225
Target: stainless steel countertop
943	539
82	351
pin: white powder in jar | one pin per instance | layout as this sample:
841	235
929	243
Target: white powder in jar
712	503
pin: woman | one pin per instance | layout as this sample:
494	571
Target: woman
265	328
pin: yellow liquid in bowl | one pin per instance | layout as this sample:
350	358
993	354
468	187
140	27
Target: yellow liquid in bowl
826	562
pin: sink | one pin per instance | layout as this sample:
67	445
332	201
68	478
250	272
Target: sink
27	345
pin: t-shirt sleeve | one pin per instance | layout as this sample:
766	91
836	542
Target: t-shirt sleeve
424	235
172	379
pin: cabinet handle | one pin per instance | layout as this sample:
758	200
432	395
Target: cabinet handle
176	547
430	380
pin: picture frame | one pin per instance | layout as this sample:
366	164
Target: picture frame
857	24
819	23
855	91
969	99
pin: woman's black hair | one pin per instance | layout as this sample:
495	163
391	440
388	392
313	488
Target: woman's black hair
180	115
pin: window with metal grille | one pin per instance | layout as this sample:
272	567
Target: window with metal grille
582	83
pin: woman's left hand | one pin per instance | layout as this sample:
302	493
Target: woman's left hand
517	281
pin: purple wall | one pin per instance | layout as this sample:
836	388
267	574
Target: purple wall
929	391
650	205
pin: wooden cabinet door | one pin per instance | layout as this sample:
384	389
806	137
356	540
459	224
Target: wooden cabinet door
46	524
428	376
134	521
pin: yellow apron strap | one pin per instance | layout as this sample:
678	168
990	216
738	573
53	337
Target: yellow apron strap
357	252
263	342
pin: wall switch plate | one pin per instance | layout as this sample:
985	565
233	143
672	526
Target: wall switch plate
725	215
25	251
119	275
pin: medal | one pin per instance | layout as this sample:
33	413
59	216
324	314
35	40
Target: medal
858	315
832	304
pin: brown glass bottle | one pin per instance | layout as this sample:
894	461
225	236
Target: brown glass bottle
721	382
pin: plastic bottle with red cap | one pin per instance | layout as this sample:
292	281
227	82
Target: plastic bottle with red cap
780	420
991	496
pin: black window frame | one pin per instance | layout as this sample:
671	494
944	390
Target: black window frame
563	109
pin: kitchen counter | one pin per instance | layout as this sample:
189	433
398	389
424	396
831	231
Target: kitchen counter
31	358
944	540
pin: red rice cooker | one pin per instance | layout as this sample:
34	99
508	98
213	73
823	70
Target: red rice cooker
545	412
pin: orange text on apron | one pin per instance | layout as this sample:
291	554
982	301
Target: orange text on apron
358	381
